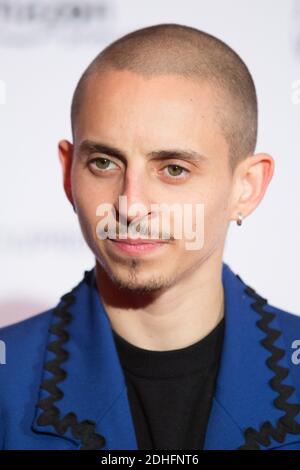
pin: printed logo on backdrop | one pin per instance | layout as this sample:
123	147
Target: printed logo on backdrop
24	22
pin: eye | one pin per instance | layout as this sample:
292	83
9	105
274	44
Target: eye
102	163
175	171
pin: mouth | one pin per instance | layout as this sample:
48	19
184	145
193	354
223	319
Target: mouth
138	245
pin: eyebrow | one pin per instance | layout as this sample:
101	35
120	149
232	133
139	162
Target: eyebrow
88	146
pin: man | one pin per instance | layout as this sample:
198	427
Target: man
161	345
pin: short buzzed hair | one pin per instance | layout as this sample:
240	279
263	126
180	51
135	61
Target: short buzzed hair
188	52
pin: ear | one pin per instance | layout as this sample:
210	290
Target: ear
251	181
65	150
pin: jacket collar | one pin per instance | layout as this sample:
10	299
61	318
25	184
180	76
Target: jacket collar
250	408
83	396
83	392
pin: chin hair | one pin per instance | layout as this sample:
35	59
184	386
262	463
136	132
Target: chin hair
134	285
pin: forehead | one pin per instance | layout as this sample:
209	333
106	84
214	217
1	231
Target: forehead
158	110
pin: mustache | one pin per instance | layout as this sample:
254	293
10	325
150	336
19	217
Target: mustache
142	229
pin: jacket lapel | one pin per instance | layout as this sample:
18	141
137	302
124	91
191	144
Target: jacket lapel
83	396
252	407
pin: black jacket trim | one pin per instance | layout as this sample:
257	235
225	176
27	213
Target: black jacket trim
286	424
84	430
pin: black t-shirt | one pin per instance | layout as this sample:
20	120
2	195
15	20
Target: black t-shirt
170	392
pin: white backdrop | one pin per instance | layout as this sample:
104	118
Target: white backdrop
44	48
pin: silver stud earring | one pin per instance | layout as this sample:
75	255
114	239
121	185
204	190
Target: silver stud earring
239	219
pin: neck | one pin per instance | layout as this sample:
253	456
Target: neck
174	318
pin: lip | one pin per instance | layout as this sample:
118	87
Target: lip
137	246
137	241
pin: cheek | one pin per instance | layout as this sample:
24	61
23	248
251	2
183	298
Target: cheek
214	214
86	201
87	194
216	217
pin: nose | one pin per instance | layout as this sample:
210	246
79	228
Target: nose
133	201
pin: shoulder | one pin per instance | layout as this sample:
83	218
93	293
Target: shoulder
284	333
27	329
280	324
22	347
289	321
24	339
289	327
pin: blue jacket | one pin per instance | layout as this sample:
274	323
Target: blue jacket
62	386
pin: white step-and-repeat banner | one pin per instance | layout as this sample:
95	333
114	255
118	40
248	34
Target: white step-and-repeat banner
44	48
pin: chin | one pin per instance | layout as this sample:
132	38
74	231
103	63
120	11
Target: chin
137	283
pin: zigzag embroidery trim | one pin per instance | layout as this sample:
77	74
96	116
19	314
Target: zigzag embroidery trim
84	430
286	424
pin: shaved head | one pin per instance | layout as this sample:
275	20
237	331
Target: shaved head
173	49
